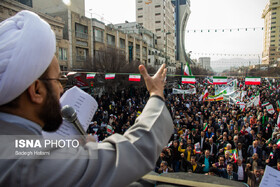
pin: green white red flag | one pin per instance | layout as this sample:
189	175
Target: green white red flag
187	70
219	80
91	75
271	155
205	127
278	143
205	95
252	81
234	155
134	77
110	76
188	80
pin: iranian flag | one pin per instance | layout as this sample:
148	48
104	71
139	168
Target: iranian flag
252	81
205	95
134	77
205	127
265	104
192	85
219	80
278	121
271	155
110	129
91	75
187	70
278	143
188	80
110	76
209	81
234	155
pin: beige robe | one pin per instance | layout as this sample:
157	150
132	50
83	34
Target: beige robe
120	159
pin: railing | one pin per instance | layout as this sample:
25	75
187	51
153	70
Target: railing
81	35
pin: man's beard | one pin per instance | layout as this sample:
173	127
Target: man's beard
51	113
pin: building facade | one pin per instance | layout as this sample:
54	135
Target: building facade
9	8
158	17
204	62
271	43
156	57
182	13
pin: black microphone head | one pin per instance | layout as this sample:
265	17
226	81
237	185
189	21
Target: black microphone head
68	113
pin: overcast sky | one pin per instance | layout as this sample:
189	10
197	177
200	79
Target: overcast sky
205	14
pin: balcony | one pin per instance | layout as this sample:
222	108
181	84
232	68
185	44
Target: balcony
81	35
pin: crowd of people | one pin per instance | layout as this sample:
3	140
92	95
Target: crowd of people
211	138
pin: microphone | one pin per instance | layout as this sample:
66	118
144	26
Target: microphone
70	115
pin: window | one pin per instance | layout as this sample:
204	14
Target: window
272	31
273	36
140	9
274	8
157	6
137	48
81	54
157	14
273	22
140	1
144	51
272	40
273	18
62	54
275	3
273	13
81	31
122	43
158	30
141	16
157	21
99	35
110	39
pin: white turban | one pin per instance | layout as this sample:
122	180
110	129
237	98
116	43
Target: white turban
27	46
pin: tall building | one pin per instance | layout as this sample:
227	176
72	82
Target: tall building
54	6
204	62
182	13
156	56
271	43
77	29
9	8
158	17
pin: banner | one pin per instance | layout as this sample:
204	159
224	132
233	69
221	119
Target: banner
270	109
229	87
254	102
178	91
234	96
218	97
